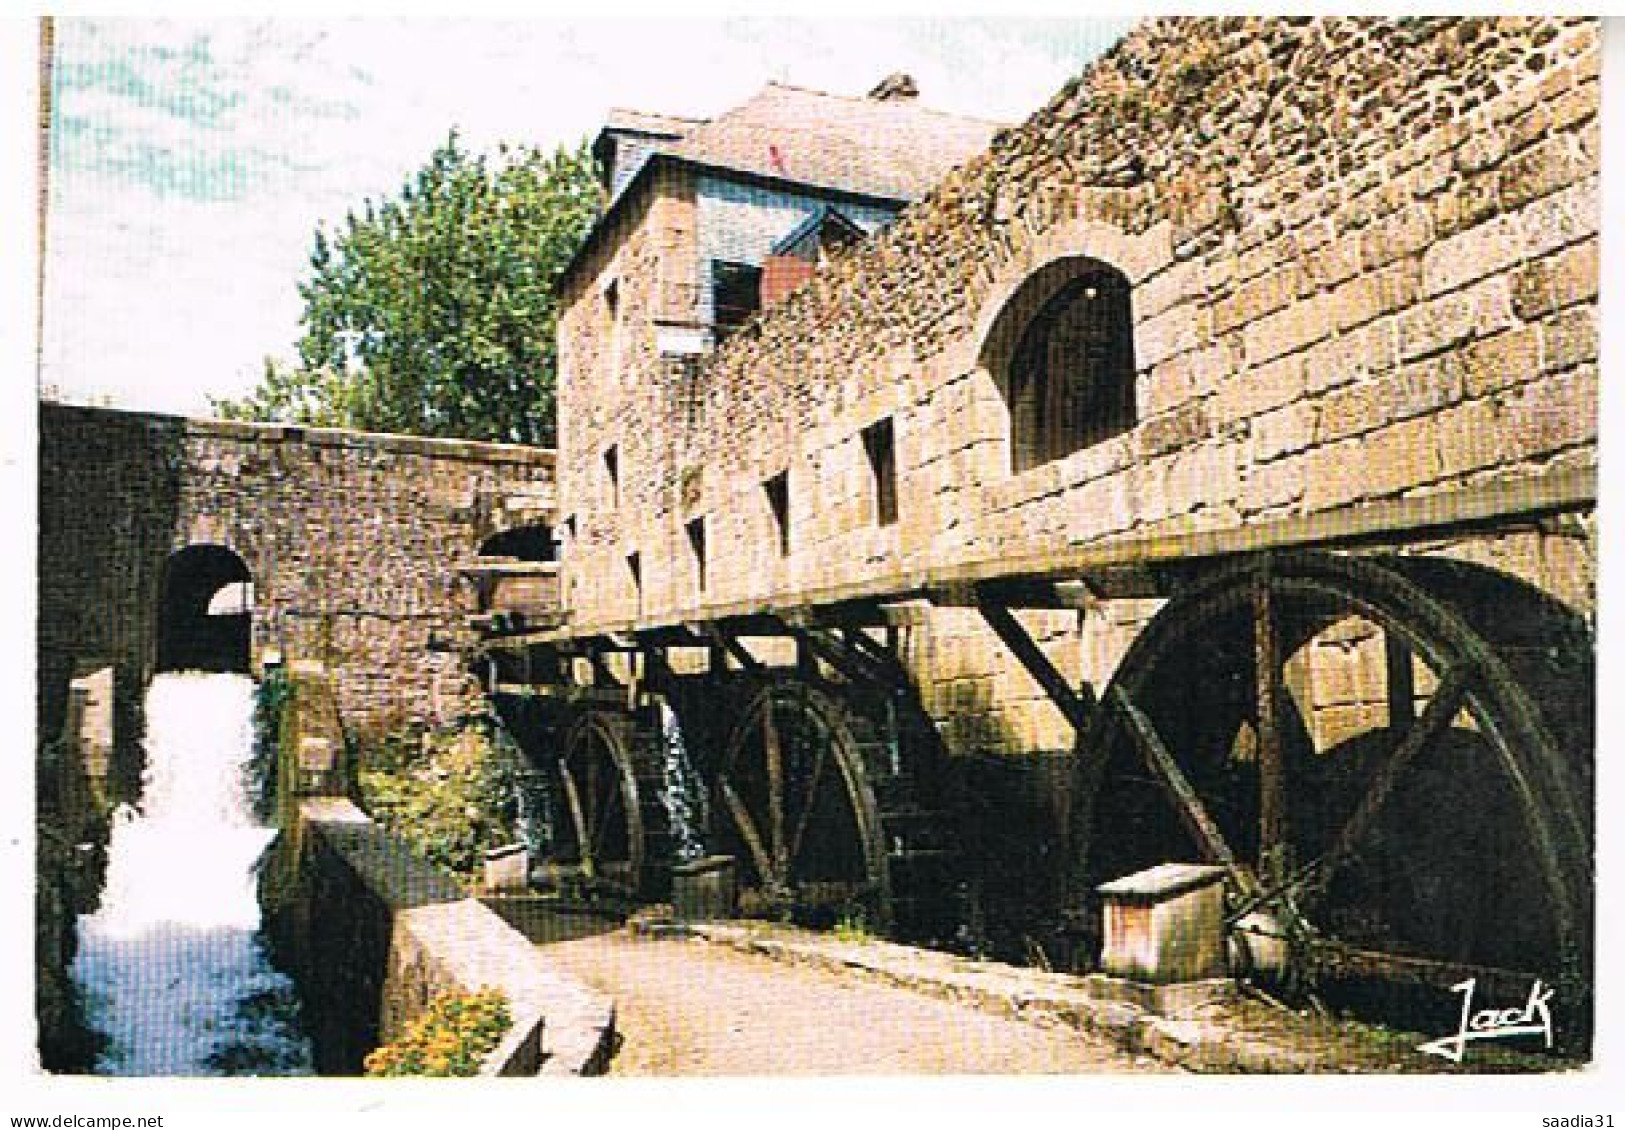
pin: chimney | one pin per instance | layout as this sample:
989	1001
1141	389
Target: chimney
895	87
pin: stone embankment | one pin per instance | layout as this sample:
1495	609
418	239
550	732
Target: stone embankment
372	934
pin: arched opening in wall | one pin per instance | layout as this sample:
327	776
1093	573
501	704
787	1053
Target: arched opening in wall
517	576
205	611
1062	353
523	543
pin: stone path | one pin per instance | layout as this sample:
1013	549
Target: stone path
688	1008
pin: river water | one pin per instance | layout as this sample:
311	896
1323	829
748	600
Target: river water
171	964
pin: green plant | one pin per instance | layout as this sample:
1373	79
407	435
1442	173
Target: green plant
269	698
450	793
452	1037
853	926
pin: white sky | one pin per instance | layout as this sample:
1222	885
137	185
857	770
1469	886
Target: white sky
193	160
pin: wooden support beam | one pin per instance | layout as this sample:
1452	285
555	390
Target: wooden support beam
1019	592
1271	759
1077	705
736	648
603	696
847	659
1126	565
602	675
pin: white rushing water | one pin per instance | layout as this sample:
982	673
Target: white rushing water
171	966
682	794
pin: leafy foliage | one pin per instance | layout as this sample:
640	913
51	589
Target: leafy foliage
452	1037
450	794
433	313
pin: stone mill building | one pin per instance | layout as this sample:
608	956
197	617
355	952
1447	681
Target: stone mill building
1200	472
952	519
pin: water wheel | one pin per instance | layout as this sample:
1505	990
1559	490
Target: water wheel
1392	758
798	798
614	828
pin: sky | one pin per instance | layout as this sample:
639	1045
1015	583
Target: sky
193	160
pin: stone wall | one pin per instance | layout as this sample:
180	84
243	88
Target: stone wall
352	540
1363	258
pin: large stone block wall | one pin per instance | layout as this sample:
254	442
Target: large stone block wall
1363	256
353	542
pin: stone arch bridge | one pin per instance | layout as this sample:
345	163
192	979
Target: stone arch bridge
358	550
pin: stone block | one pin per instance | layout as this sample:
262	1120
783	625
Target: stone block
1568	340
1334	476
1165	925
1405	233
1468	256
1275	485
1508	358
1401	456
1565	217
1297	326
1469	438
507	868
1255	299
1449	320
1557	281
1254	391
1542	169
1284	431
1551	414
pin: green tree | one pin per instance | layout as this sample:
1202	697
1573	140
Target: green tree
433	313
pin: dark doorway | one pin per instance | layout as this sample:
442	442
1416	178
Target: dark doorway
205	612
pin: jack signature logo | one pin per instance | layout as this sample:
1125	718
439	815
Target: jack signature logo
1533	1019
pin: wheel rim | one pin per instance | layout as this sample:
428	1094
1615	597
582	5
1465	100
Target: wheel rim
792	803
1355	849
599	794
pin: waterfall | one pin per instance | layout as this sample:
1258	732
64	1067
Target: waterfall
532	793
171	965
682	792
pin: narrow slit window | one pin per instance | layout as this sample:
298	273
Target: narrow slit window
778	501
612	473
881	447
634	569
696	543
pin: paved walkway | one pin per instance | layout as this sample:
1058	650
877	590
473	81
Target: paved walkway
688	1008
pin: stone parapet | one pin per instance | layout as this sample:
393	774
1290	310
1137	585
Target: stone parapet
372	934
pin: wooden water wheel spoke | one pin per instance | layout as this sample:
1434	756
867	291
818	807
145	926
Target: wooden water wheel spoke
1441	710
1187	803
794	750
1271	768
602	815
753	839
608	827
606	795
1400	668
775	791
821	758
1423	821
578	817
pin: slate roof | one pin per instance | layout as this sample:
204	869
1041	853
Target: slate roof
655	125
890	149
895	148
